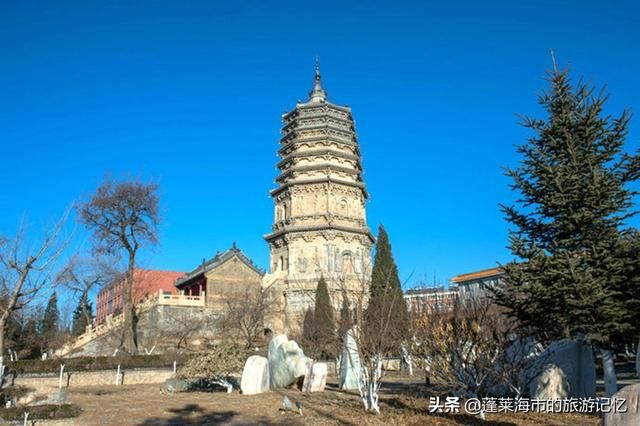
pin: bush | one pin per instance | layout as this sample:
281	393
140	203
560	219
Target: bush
41	412
51	366
220	362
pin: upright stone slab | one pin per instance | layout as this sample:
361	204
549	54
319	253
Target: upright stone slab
350	368
575	359
631	394
315	379
255	376
287	362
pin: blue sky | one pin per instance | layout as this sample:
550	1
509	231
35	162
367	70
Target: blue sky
190	94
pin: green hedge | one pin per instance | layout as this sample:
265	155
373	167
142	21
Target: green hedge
95	363
41	412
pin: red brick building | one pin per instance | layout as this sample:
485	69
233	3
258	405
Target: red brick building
145	282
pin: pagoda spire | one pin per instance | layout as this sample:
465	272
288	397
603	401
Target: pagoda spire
317	94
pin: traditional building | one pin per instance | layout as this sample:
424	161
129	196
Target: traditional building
320	226
225	275
145	282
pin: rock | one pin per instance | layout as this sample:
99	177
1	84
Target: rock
289	405
255	376
552	384
177	385
287	362
58	397
392	364
315	378
575	359
350	369
631	394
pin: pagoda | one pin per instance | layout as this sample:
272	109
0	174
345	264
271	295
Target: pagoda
320	226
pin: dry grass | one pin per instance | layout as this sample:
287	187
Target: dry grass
402	402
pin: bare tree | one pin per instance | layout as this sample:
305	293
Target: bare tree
25	269
83	275
123	217
243	317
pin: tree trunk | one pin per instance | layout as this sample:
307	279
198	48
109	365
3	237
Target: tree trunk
610	385
638	358
128	326
2	331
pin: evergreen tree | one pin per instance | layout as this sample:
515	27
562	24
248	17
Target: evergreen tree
49	324
323	315
569	233
82	315
346	317
386	316
309	327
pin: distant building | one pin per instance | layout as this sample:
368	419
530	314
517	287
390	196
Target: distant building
434	299
474	286
145	282
224	275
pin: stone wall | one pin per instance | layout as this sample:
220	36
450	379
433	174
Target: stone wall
46	384
165	327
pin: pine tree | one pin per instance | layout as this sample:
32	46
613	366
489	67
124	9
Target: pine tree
309	327
82	315
346	317
386	316
323	315
49	324
568	233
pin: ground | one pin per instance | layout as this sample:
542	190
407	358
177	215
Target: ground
402	403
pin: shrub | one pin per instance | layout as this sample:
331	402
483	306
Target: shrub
41	412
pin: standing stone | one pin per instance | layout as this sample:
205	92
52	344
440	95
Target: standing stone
255	376
316	378
575	359
552	384
287	362
631	394
350	368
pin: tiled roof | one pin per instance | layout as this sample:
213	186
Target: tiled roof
216	261
485	273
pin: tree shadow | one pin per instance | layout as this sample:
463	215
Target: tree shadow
191	414
460	418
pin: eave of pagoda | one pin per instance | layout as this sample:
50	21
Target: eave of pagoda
323	140
288	161
288	230
318	168
287	185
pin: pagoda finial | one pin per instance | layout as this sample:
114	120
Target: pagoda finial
317	94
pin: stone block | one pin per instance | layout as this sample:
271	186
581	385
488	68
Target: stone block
255	376
551	384
350	368
287	362
575	359
315	378
631	394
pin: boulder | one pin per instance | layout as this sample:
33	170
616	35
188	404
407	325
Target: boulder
575	359
255	376
58	397
287	362
631	394
350	368
552	384
316	377
177	385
